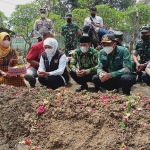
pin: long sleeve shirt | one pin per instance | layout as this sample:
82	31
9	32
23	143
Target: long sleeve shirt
87	61
61	66
117	63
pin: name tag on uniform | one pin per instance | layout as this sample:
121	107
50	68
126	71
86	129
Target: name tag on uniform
55	60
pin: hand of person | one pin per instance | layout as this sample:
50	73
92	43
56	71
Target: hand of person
104	76
81	73
42	73
140	67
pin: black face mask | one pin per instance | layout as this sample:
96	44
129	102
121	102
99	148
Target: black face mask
145	37
93	15
69	20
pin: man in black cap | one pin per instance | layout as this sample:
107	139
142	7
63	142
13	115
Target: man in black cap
42	25
83	64
142	49
114	67
70	31
94	19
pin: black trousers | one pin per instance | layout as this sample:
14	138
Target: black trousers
52	82
125	82
81	80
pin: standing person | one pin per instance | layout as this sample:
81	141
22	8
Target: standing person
114	67
6	55
142	49
33	58
94	19
42	25
52	71
70	31
83	64
146	74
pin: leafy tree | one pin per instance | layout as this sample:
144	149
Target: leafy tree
22	20
3	18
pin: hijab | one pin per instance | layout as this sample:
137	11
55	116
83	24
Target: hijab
3	51
53	43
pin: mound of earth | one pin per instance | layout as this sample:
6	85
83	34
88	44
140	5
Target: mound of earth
43	119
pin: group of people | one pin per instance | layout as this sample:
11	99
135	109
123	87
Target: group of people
110	68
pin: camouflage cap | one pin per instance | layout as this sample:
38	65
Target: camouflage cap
118	35
68	15
145	28
108	38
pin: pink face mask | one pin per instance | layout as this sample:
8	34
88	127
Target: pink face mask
6	43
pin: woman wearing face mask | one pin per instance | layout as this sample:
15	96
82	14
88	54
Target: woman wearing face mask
42	25
83	64
114	67
52	71
6	55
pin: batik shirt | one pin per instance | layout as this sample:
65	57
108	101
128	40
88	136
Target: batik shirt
142	49
117	63
88	62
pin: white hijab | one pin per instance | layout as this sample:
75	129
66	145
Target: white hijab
53	43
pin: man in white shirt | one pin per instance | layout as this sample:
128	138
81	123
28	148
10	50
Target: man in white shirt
94	19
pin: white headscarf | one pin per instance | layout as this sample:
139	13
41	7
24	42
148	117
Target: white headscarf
51	42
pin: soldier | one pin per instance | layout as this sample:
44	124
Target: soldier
42	25
119	37
142	49
70	31
114	67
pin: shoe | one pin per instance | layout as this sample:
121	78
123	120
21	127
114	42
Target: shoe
82	87
126	91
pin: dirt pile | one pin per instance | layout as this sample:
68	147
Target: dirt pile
65	120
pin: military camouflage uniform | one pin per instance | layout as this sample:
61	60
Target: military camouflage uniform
41	26
142	49
70	31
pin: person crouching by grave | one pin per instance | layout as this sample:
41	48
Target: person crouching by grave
146	75
52	71
84	63
114	67
33	58
8	54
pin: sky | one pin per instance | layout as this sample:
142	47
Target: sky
8	6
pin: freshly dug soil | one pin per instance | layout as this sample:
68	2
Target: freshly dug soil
73	121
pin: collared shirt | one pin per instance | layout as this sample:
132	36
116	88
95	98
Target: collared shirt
142	49
96	20
117	63
43	25
87	62
35	53
61	66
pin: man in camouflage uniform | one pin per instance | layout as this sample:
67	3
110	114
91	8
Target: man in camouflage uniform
70	31
42	25
114	67
119	37
142	49
83	64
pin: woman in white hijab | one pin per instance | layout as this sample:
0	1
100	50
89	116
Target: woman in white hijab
52	71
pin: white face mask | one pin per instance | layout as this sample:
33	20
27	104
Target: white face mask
84	49
108	49
43	15
49	51
6	43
